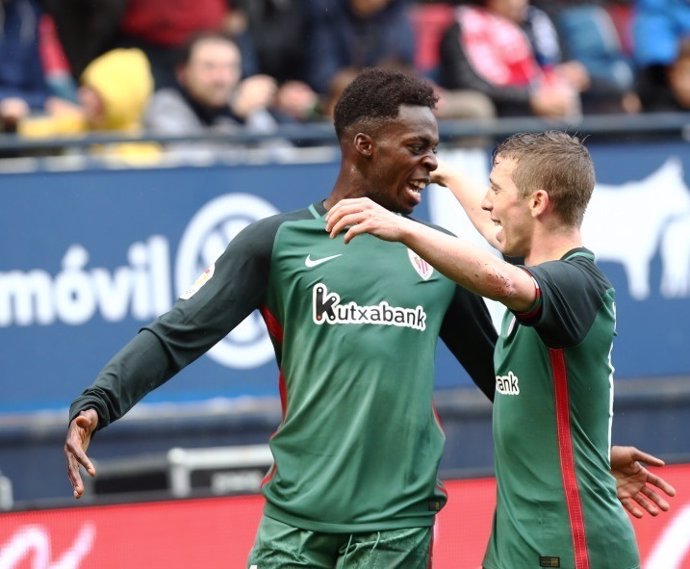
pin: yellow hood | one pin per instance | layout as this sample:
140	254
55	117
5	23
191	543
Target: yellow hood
122	77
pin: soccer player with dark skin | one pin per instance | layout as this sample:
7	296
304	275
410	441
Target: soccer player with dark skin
556	504
356	454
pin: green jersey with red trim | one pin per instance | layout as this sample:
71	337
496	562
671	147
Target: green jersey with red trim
556	498
354	328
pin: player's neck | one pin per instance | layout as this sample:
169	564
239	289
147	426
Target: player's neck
552	246
346	185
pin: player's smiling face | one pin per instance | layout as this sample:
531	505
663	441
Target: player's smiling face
403	157
509	209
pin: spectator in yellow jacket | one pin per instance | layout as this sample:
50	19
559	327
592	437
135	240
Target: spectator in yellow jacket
114	92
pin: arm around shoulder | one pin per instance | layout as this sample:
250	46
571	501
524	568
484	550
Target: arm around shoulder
470	193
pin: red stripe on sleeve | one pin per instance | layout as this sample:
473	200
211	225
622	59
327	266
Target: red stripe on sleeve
282	388
276	331
567	459
283	405
274	327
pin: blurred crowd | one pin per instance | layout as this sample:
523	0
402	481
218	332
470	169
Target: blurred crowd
186	67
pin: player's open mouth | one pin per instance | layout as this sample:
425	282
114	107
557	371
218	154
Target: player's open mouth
416	186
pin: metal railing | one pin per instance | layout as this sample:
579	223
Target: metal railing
620	126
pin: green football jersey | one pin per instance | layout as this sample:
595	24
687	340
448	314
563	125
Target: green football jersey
556	498
355	329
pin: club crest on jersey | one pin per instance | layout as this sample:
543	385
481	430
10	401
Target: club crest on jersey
424	269
199	282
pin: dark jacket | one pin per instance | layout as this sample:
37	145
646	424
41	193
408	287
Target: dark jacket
21	69
338	39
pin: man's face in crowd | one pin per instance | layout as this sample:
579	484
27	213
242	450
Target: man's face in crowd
213	71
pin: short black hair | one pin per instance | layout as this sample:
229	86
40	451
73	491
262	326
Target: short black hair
376	94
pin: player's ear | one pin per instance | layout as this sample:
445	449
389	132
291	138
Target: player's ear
363	144
539	202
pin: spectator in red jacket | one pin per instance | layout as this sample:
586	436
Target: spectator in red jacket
487	50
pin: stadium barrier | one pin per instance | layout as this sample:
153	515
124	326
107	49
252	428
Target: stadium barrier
180	472
218	532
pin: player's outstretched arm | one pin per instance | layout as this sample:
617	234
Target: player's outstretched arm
470	193
78	438
467	264
636	485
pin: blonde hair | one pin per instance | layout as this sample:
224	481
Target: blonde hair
555	162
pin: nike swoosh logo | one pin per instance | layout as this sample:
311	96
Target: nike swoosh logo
309	262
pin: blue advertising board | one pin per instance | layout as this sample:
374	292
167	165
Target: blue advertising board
90	256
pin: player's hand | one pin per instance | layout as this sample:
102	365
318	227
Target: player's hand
78	438
362	215
443	173
635	484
